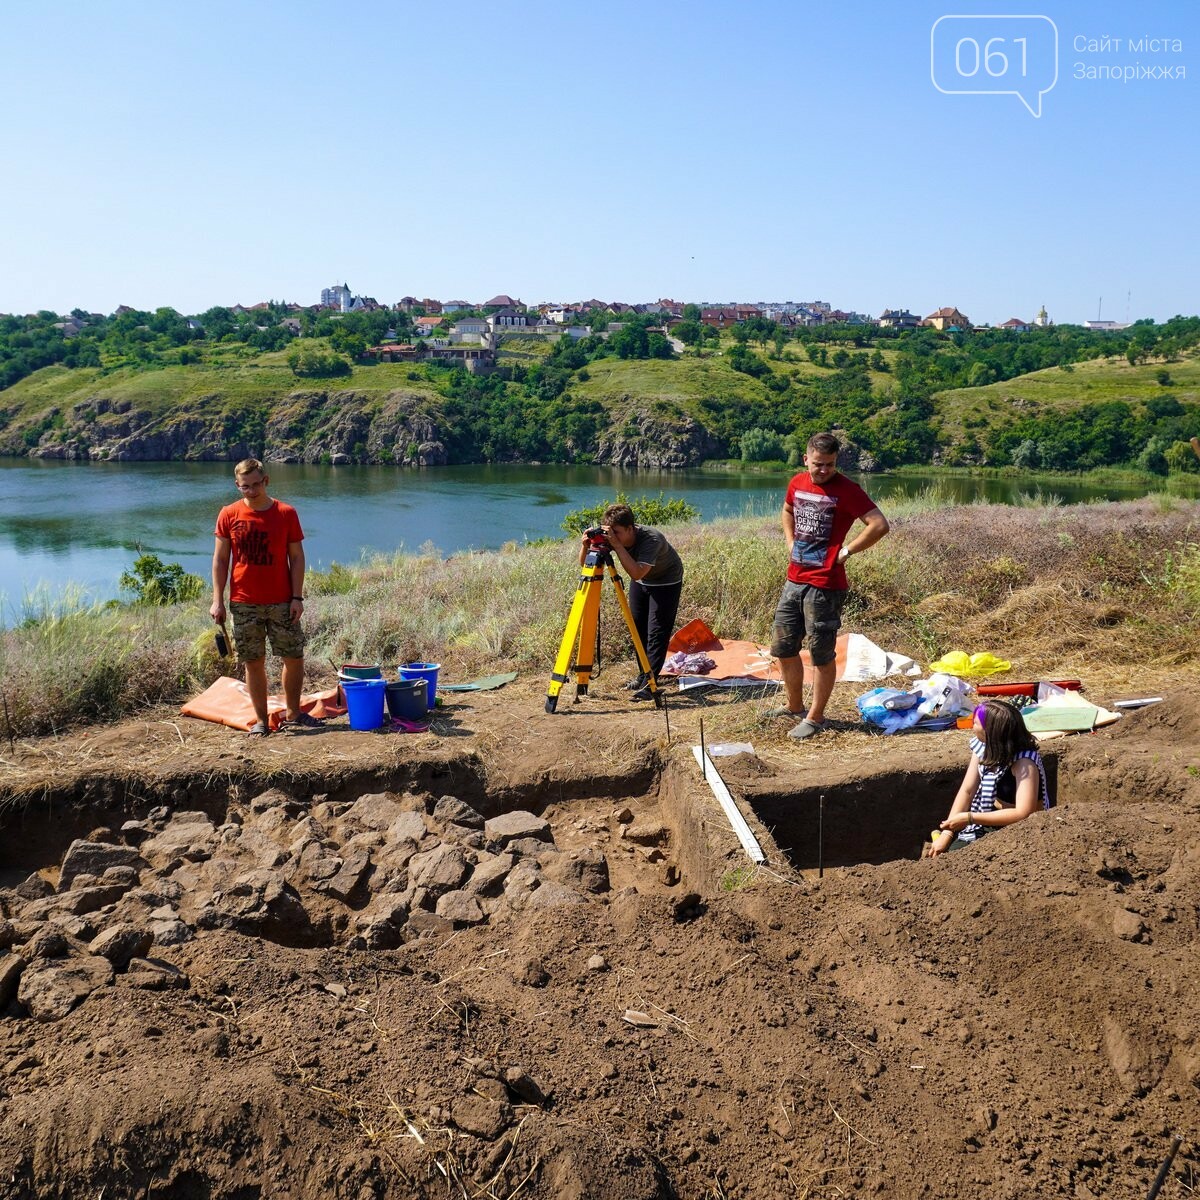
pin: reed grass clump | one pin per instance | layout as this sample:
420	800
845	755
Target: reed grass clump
1053	587
71	662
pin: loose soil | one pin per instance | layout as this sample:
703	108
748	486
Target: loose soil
423	993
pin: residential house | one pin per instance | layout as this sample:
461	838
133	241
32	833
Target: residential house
719	317
426	325
468	330
507	318
452	306
947	320
1015	325
502	301
407	303
292	324
431	306
673	308
402	352
898	318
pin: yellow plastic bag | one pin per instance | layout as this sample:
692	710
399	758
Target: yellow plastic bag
974	666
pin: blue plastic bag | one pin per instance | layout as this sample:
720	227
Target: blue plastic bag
873	707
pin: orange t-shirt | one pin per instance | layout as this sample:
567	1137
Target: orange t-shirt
260	573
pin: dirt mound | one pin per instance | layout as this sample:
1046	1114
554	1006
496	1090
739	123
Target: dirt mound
502	959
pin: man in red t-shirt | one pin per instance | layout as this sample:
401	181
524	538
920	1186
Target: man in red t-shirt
818	512
262	540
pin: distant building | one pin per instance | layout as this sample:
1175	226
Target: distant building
1014	325
719	317
946	320
507	318
898	318
502	301
1042	320
451	306
338	297
1105	326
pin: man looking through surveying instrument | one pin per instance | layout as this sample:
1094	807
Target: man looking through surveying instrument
655	573
819	509
261	539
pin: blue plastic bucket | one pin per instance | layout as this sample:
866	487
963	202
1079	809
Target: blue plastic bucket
427	672
406	699
364	702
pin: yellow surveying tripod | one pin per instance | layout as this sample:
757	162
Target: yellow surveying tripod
582	633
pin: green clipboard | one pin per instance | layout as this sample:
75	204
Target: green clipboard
1073	719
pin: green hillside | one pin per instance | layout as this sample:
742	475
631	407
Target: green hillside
164	390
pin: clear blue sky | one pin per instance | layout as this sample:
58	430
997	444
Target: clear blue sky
191	155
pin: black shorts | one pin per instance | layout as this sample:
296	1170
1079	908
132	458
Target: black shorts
807	611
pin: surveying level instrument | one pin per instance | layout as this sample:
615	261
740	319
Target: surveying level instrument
582	634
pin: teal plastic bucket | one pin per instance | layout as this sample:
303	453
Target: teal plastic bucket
406	699
427	672
364	702
360	671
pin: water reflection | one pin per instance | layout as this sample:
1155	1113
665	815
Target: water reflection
64	522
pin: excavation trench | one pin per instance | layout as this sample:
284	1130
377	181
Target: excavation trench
656	825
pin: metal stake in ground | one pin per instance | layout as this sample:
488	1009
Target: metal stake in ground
821	838
1161	1178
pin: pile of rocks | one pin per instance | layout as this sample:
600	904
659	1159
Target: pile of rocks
371	874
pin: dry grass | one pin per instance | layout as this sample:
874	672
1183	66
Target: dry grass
1051	587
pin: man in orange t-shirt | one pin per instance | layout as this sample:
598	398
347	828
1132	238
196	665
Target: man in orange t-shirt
261	539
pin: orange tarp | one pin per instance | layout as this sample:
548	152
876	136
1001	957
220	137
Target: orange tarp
741	660
228	703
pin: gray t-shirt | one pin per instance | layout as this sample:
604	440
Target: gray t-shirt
649	546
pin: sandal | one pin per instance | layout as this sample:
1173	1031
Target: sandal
786	714
303	721
806	729
259	729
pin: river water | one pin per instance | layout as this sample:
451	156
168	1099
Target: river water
81	524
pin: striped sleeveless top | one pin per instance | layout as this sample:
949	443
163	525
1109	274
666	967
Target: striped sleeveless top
999	782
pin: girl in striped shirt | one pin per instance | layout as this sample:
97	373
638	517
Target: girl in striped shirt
1005	780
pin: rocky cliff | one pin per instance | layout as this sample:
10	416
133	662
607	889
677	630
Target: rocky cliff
304	426
315	426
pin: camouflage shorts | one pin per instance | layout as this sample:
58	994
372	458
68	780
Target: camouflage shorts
254	624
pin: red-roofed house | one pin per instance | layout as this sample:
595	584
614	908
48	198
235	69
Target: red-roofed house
502	301
947	318
1016	326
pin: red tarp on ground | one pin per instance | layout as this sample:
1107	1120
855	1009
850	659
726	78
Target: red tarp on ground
740	660
228	703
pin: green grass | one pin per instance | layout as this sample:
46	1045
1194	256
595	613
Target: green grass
1059	390
1059	589
529	349
620	382
161	391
